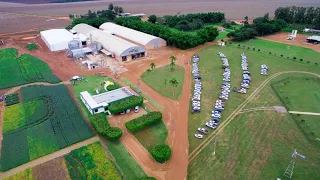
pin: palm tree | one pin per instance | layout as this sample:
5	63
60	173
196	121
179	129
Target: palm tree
172	68
173	58
174	83
152	65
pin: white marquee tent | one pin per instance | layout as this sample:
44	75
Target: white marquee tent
58	39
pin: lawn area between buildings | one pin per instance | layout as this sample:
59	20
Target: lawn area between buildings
123	158
159	80
152	135
254	145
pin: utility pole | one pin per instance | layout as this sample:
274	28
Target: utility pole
289	171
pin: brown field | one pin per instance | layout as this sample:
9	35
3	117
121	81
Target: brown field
55	169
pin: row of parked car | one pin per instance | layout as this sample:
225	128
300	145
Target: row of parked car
245	84
220	103
196	98
264	70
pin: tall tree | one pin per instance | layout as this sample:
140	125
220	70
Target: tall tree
110	7
121	10
152	19
174	83
152	66
246	18
116	10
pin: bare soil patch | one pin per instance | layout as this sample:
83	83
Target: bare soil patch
55	169
300	40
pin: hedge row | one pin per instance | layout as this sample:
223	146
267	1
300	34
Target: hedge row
102	126
161	153
128	103
143	121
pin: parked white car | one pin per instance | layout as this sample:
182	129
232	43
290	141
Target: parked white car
199	136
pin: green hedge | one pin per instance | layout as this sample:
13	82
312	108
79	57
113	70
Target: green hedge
31	47
147	178
161	153
113	87
102	126
124	104
143	121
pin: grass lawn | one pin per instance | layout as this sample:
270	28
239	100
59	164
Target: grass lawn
25	174
211	73
267	138
222	35
283	49
159	79
127	164
152	135
135	88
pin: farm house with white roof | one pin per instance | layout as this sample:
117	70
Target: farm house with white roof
146	40
121	49
99	103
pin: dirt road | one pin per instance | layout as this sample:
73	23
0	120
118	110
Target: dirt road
205	143
49	157
305	113
15	89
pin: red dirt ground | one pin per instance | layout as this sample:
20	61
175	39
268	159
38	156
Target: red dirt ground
298	41
54	170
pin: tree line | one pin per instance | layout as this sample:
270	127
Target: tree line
261	26
176	38
188	22
95	19
299	15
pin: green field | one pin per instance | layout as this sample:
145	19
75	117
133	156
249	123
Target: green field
233	150
91	162
21	70
152	135
159	78
127	164
47	120
278	49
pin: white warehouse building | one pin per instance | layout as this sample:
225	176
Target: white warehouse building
146	40
99	103
58	39
121	49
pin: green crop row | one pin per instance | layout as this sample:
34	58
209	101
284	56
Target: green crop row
12	99
143	121
124	104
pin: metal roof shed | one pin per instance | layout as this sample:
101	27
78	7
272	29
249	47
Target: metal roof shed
147	40
56	39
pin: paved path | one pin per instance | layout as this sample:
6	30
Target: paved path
49	157
305	113
207	141
14	89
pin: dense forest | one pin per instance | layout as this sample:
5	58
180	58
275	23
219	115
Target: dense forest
176	38
188	22
299	15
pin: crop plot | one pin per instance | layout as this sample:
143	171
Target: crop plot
12	99
21	70
45	121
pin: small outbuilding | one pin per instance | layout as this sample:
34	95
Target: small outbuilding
313	39
146	40
58	39
99	103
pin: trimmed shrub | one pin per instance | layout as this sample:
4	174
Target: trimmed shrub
31	47
147	178
102	126
316	64
270	53
254	49
301	60
161	153
258	49
288	57
281	55
248	48
143	121
113	87
230	42
294	57
239	45
128	103
307	61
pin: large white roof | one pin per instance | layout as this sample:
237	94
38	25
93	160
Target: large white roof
131	34
55	36
112	43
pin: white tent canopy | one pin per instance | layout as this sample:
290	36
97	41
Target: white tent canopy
58	39
133	35
109	42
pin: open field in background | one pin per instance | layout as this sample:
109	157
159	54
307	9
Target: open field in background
152	135
211	73
122	157
55	124
125	161
21	70
159	80
135	88
278	49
